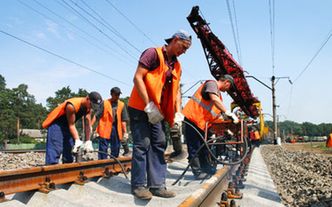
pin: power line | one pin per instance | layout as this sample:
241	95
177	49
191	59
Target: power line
96	27
102	21
237	32
315	55
47	17
131	22
61	57
108	50
272	32
233	31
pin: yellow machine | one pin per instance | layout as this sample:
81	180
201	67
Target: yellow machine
263	130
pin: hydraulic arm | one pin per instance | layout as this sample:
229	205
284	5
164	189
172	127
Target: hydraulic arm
221	62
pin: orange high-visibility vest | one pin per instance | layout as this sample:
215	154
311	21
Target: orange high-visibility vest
329	141
154	82
257	136
60	110
199	110
104	128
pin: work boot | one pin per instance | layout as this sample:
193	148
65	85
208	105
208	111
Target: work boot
162	192
196	169
141	192
206	166
125	149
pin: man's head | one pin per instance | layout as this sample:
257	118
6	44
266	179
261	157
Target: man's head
95	100
227	82
180	41
115	93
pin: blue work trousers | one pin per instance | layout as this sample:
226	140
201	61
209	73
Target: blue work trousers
149	143
113	142
194	138
59	141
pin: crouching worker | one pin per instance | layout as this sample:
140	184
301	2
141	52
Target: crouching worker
204	106
62	135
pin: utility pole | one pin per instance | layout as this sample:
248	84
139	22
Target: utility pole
274	110
274	81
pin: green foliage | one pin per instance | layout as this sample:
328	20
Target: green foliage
304	129
18	107
24	139
62	95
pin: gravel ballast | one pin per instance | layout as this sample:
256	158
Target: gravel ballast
302	178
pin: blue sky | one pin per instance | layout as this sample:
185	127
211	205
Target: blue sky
109	60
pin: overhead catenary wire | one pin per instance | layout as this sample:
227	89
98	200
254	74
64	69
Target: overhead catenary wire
131	22
62	57
272	32
315	55
107	49
236	40
68	6
103	22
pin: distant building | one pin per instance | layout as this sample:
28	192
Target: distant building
38	134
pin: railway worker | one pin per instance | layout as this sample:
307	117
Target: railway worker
204	106
155	97
329	141
62	135
112	126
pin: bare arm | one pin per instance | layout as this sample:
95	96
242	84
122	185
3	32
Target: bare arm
124	127
178	101
70	114
88	126
139	83
217	102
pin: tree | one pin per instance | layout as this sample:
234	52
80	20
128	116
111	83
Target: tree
18	110
60	96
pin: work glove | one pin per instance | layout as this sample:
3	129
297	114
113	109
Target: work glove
125	137
233	116
88	146
178	119
153	113
78	144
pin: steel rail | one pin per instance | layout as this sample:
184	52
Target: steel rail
20	151
45	178
210	189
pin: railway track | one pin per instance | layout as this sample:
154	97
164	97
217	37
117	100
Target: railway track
43	183
20	151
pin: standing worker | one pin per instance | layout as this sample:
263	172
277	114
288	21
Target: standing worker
112	126
329	141
62	135
155	96
204	106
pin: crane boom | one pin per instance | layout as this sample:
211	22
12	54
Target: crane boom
221	62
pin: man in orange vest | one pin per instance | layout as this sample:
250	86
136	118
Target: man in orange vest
155	96
112	126
329	141
62	135
204	106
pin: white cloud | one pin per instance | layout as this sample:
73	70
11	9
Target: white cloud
40	35
53	28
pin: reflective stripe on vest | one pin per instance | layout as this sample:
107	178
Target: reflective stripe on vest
200	111
206	107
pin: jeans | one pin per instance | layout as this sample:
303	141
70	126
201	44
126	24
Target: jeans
149	143
194	141
59	141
